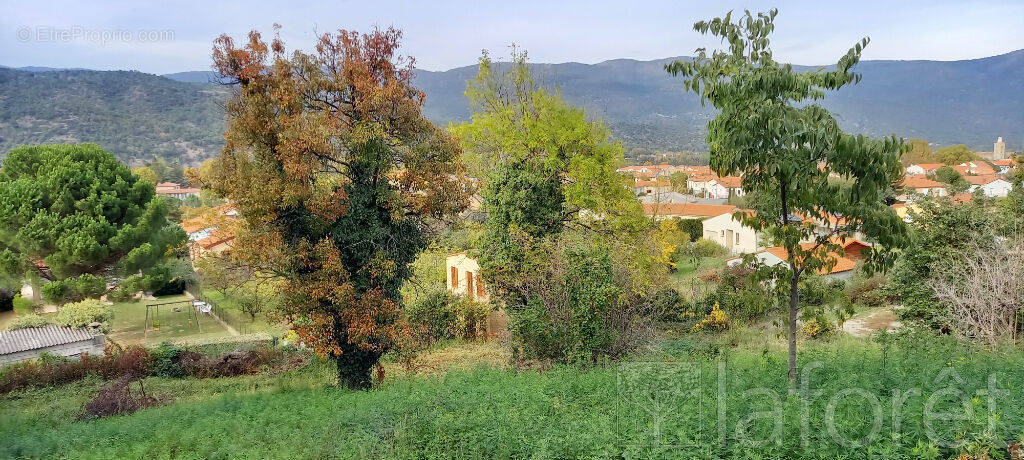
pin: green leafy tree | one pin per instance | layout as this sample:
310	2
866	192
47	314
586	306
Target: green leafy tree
955	154
147	173
73	215
940	233
956	181
678	180
341	181
918	152
785	146
558	215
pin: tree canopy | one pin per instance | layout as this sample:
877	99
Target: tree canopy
564	235
339	180
73	215
786	147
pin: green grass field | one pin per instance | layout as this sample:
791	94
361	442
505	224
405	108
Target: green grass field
129	323
232	314
687	397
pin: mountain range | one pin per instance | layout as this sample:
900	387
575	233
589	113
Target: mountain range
180	115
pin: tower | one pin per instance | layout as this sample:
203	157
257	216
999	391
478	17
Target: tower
999	150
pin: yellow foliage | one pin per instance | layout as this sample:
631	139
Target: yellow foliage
716	321
815	328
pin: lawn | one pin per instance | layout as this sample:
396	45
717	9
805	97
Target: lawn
687	397
686	277
129	323
233	315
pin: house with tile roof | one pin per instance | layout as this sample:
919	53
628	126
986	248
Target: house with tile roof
651	187
920	185
843	265
661	211
991	185
921	169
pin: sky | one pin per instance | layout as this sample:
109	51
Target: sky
177	35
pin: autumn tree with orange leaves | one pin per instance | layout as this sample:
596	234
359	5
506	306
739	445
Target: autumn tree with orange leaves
340	182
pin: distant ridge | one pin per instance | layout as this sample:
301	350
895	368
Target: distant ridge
180	115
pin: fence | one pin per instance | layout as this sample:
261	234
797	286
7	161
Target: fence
238	320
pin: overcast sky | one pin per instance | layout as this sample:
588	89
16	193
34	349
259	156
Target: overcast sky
177	35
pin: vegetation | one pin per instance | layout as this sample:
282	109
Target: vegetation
787	149
351	180
130	114
955	154
665	405
564	245
73	215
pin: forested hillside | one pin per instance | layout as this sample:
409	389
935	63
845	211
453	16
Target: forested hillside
136	115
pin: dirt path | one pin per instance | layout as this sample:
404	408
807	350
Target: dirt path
866	323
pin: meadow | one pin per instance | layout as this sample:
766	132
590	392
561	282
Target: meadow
687	396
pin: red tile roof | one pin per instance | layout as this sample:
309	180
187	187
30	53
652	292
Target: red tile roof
982	180
687	209
843	263
920	182
730	181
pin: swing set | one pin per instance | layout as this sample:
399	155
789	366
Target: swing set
153	313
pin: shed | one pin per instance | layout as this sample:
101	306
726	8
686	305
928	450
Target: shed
27	344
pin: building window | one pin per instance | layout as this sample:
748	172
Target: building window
469	284
722	235
480	291
455	278
737	238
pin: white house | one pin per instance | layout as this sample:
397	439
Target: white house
1004	165
731	233
463	279
175	190
920	185
923	168
991	186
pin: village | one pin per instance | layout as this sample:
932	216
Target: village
324	247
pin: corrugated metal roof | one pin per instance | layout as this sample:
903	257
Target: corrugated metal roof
33	338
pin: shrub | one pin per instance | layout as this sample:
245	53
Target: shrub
434	313
81	314
165	361
26	321
670	306
440	315
125	290
84	286
578	308
692	227
738	291
716	321
866	292
817	327
708	248
23	306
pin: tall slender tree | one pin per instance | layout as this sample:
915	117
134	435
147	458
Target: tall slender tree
339	179
789	151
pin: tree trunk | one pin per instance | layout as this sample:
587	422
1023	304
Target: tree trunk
354	364
794	306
